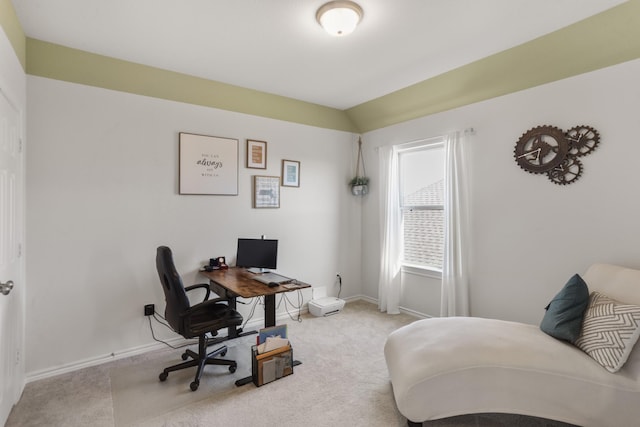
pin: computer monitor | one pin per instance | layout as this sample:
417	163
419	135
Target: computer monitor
257	254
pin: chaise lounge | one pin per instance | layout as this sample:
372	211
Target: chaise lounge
444	367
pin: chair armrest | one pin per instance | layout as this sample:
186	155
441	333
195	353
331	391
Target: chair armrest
200	285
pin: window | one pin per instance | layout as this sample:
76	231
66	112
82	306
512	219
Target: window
421	181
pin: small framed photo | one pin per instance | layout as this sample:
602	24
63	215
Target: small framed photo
256	154
266	191
290	173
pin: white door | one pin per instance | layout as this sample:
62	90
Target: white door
11	271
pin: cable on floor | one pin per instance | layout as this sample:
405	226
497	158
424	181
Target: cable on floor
187	344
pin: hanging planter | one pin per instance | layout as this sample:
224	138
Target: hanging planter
359	186
359	183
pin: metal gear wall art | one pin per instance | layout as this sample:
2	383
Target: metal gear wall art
548	150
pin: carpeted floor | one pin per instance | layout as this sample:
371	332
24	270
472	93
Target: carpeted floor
343	381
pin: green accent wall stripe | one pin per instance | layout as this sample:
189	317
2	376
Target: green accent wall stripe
603	40
12	28
606	39
58	62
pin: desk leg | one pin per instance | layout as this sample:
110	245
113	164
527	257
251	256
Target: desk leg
243	381
269	320
232	330
269	310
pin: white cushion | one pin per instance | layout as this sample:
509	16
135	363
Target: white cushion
619	283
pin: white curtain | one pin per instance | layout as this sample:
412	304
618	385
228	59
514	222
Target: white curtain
455	281
390	232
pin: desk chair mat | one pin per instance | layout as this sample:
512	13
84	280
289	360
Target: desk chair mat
139	395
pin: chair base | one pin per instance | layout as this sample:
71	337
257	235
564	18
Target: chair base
200	359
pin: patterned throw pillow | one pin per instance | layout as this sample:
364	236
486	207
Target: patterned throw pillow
609	331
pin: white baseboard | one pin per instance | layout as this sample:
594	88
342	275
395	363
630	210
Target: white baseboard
402	309
98	360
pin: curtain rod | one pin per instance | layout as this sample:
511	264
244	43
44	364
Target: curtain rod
470	131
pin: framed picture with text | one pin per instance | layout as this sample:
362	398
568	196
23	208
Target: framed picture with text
266	191
256	154
290	173
208	165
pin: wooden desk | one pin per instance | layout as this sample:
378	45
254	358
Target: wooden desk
235	282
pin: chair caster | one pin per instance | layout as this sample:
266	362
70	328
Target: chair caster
223	353
163	376
185	356
232	368
194	385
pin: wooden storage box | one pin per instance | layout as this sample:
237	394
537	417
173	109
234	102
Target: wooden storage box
272	365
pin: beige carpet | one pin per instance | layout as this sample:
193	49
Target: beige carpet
343	381
138	394
327	380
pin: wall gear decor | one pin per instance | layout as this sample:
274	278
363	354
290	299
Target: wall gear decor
549	150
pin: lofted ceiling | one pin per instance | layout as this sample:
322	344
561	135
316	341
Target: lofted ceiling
277	47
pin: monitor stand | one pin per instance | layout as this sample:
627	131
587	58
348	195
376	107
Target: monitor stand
257	270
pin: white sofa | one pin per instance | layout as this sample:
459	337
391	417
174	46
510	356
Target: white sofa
443	367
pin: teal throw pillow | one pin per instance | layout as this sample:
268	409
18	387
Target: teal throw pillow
563	319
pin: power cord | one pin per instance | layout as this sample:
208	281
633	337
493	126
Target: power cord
162	322
286	300
340	283
253	309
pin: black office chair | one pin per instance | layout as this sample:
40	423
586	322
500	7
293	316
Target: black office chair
192	321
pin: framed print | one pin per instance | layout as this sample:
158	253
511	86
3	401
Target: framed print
266	191
290	173
256	154
208	165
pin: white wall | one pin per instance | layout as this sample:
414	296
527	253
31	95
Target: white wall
102	195
528	234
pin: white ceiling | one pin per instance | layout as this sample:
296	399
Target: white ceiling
276	46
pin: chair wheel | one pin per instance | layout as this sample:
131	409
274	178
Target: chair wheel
163	376
194	385
232	368
223	353
185	356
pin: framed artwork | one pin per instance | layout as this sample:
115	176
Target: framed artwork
256	154
290	173
266	191
208	165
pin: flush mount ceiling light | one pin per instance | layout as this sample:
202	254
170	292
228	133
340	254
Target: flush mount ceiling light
339	18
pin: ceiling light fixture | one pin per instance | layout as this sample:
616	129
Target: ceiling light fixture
339	18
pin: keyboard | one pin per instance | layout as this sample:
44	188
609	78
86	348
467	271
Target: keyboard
267	278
